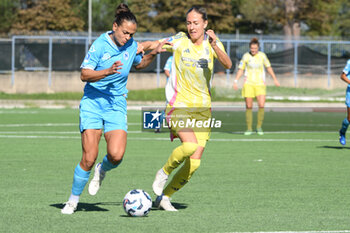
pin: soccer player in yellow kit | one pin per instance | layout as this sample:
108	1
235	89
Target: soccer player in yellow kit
188	93
253	64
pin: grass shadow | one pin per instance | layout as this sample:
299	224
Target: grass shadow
177	206
334	147
89	206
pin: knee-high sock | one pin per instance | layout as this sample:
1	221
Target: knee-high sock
178	155
344	126
107	165
249	118
182	176
80	179
261	114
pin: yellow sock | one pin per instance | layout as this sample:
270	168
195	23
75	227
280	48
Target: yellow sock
261	114
249	118
178	155
182	176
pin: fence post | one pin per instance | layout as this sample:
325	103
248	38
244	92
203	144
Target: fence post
13	61
50	60
329	64
296	63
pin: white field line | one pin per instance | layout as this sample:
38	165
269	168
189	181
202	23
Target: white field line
50	132
48	124
38	124
139	131
140	124
342	231
167	139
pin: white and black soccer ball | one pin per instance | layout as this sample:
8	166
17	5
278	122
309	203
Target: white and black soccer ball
137	203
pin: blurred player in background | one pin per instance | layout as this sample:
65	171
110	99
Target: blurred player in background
252	65
167	71
105	70
188	93
167	67
345	76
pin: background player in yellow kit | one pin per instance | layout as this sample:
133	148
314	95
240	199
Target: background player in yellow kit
187	93
252	64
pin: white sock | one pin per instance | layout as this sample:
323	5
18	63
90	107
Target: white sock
74	198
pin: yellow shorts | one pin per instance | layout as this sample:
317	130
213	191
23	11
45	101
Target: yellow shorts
251	91
185	118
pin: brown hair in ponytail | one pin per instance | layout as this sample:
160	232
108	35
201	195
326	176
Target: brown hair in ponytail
122	12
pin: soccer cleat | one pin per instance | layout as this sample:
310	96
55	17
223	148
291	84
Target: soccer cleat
69	208
159	182
342	138
163	202
248	132
259	131
96	182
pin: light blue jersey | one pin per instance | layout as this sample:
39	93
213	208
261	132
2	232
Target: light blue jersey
168	63
104	102
346	70
102	54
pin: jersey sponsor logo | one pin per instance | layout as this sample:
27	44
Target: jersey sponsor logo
92	49
126	55
187	51
106	56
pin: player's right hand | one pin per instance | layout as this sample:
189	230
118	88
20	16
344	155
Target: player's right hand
115	67
235	86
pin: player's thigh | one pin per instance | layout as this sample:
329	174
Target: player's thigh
90	139
248	102
261	100
116	143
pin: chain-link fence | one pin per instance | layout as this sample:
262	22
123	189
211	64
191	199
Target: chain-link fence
65	53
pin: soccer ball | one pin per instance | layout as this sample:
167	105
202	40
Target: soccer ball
137	203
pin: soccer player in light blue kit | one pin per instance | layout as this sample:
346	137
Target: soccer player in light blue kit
345	76
167	67
105	70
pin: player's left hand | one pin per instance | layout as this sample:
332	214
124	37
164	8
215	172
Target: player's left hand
159	48
212	37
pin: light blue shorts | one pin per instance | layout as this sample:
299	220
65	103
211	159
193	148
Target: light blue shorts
347	97
99	111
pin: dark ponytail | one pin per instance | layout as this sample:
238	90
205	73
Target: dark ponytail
122	12
254	41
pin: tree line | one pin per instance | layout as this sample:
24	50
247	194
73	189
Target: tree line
291	18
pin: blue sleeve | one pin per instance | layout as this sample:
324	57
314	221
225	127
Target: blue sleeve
167	65
138	59
93	56
347	68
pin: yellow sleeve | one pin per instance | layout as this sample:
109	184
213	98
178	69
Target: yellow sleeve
242	63
172	39
266	61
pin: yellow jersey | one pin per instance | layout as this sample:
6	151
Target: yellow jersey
253	67
192	70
